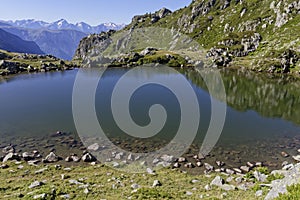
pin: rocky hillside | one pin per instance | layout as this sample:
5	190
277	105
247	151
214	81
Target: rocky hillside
13	43
14	63
260	35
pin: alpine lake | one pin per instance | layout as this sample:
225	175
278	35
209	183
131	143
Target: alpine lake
262	119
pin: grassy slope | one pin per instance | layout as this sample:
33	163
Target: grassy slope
106	183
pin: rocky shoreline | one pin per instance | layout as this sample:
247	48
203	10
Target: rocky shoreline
16	63
243	178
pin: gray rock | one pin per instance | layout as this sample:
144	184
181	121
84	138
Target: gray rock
135	186
297	158
182	159
259	193
40	170
75	182
229	171
220	163
156	183
199	164
208	167
245	168
40	196
242	187
260	177
11	156
239	180
93	147
28	156
150	171
167	158
189	193
189	165
227	187
88	158
8	149
288	167
176	165
35	184
207	188
218	181
52	157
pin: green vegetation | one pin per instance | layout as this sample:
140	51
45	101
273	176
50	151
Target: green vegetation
101	182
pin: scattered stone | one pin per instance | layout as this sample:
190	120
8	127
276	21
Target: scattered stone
245	168
229	171
242	187
93	147
199	164
239	180
86	191
4	166
135	186
8	149
218	181
258	164
130	157
260	177
227	187
33	162
167	158
176	165
156	183
189	193
35	184
189	165
88	158
51	158
119	156
249	164
65	196
229	179
150	171
40	171
195	181
40	196
220	163
208	167
297	158
284	163
75	182
288	167
182	159
28	156
284	154
259	193
237	170
11	156
207	188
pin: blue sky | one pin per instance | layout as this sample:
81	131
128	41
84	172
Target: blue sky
90	11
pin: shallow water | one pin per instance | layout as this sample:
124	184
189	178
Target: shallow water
263	113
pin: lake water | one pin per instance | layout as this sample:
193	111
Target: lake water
262	120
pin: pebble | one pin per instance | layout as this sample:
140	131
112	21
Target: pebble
182	159
259	193
297	158
249	164
93	147
229	171
237	170
218	181
189	165
150	171
156	183
176	165
86	191
40	196
40	171
207	187
189	193
35	184
199	164
208	167
220	163
284	154
195	181
135	186
245	169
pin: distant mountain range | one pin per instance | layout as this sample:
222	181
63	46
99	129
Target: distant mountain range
13	43
59	38
63	24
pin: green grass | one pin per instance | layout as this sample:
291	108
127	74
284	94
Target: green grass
106	183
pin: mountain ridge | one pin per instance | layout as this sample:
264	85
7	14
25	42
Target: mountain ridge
63	24
258	35
13	43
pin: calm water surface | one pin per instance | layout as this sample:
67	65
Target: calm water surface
263	114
